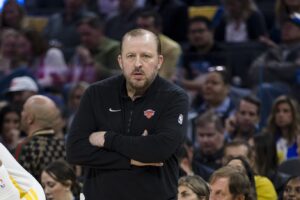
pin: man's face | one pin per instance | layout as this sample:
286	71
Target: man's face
209	139
220	189
234	151
247	116
20	97
290	33
139	61
199	35
89	37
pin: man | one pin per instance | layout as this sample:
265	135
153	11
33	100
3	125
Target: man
200	53
61	26
171	50
15	182
20	89
243	125
210	138
128	127
228	183
97	49
39	118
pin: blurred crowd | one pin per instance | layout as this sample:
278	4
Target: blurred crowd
238	60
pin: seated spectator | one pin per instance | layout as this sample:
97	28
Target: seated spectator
200	53
241	164
244	123
193	187
174	14
266	161
123	20
210	138
13	16
52	73
42	146
284	125
231	184
292	189
17	183
189	166
20	89
59	181
101	51
170	49
61	26
10	122
264	187
280	63
241	22
215	93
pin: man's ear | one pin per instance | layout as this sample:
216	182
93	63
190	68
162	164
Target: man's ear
120	61
160	61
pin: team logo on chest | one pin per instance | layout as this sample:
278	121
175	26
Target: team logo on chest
149	113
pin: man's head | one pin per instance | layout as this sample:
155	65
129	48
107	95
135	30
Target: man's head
91	32
200	33
39	112
21	88
237	148
228	183
290	31
210	133
140	58
247	115
149	20
73	6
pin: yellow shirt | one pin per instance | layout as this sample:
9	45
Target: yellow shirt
264	188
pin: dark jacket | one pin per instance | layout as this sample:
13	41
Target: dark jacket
105	106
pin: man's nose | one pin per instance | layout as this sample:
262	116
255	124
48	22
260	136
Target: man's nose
138	62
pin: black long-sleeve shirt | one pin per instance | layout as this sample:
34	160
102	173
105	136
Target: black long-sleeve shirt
105	106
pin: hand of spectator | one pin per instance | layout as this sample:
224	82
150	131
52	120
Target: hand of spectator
267	41
97	138
230	124
84	55
141	164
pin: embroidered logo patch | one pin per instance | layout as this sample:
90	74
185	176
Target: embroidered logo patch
2	184
149	113
180	119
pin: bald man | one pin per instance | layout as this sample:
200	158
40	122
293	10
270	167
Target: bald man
42	146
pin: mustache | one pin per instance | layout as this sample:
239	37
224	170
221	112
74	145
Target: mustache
138	71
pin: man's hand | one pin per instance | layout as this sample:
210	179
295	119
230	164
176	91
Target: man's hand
141	164
97	138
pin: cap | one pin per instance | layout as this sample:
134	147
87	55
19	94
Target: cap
23	83
295	18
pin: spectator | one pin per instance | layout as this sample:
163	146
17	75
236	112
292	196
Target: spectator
200	53
123	20
59	181
229	183
291	190
264	187
241	22
284	125
244	123
171	50
54	70
20	89
266	161
174	14
10	133
97	49
193	187
41	146
61	26
13	16
210	138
